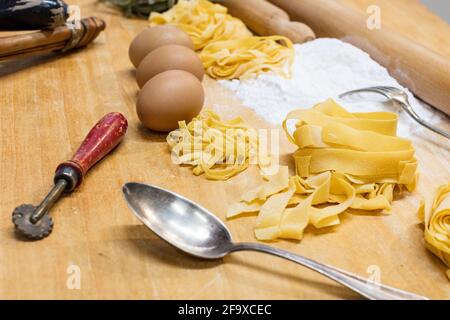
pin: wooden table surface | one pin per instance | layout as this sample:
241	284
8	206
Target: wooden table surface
49	103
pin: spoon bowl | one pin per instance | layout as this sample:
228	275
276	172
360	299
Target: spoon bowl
179	221
196	231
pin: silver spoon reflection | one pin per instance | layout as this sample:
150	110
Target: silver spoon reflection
196	231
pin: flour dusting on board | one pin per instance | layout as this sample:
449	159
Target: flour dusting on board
325	68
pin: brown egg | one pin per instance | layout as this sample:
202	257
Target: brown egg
170	57
169	97
155	37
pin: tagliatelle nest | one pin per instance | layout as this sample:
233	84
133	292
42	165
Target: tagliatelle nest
248	57
219	149
203	21
227	48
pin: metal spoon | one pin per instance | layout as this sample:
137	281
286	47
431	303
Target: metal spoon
196	231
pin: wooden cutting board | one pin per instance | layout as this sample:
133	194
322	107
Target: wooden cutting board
47	106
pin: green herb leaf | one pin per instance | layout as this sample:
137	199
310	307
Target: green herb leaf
141	8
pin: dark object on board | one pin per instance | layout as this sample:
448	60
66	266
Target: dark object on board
32	14
61	39
143	8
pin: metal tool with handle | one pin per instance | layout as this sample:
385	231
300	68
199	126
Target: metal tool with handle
370	290
414	66
399	96
196	231
34	222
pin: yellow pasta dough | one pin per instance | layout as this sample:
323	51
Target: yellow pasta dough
344	160
219	149
227	48
437	224
247	57
204	21
361	145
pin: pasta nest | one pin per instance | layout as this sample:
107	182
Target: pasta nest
437	224
227	48
219	149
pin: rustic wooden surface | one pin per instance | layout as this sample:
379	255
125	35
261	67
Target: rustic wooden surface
49	103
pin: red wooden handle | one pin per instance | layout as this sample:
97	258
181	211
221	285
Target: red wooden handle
102	138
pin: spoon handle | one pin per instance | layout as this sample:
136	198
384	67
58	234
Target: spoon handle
366	288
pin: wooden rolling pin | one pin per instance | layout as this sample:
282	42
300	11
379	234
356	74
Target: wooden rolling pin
61	39
423	71
266	19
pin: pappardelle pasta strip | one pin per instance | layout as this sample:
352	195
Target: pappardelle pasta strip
344	161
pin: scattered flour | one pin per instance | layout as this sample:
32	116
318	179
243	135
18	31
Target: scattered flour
325	68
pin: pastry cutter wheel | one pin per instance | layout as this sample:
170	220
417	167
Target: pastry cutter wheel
35	223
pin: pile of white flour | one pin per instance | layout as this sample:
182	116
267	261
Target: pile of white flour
325	68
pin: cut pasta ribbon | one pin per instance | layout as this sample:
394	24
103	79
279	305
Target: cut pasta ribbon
247	57
344	160
227	48
437	225
219	149
203	21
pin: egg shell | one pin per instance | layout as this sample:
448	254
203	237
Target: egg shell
169	97
170	57
155	37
